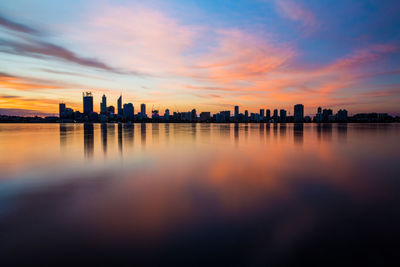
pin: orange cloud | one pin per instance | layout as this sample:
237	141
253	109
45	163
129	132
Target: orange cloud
240	56
24	84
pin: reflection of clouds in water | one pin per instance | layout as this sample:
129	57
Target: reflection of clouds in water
258	203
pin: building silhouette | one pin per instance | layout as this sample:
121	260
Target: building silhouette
327	114
103	105
87	103
282	114
275	116
128	111
143	111
61	108
341	116
268	114
119	105
261	113
166	114
298	113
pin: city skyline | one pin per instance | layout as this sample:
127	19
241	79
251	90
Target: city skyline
126	113
205	55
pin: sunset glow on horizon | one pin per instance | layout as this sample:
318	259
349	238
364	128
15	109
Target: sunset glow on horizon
208	55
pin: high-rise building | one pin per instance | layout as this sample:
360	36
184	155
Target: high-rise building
166	114
326	113
282	114
205	116
119	105
298	113
128	111
87	103
275	116
143	110
103	105
236	112
318	116
261	112
61	109
341	116
194	115
246	114
268	114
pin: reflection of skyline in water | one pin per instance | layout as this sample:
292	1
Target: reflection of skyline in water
120	138
249	201
298	133
125	133
143	134
88	139
104	137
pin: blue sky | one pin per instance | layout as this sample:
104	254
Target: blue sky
210	55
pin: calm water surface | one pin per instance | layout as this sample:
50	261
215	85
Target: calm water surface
157	194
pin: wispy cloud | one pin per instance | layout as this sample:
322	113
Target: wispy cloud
27	84
241	56
296	12
15	26
24	112
138	37
31	46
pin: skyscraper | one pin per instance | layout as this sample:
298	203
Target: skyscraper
275	117
341	116
326	113
268	114
236	112
298	113
103	105
143	110
119	105
246	114
166	114
87	103
128	111
61	109
194	115
318	117
282	114
261	112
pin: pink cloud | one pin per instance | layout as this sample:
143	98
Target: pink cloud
234	67
296	12
240	56
138	38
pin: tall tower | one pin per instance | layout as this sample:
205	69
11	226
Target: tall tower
236	111
61	109
87	103
119	105
143	110
103	105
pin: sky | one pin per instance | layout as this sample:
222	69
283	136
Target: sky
203	54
